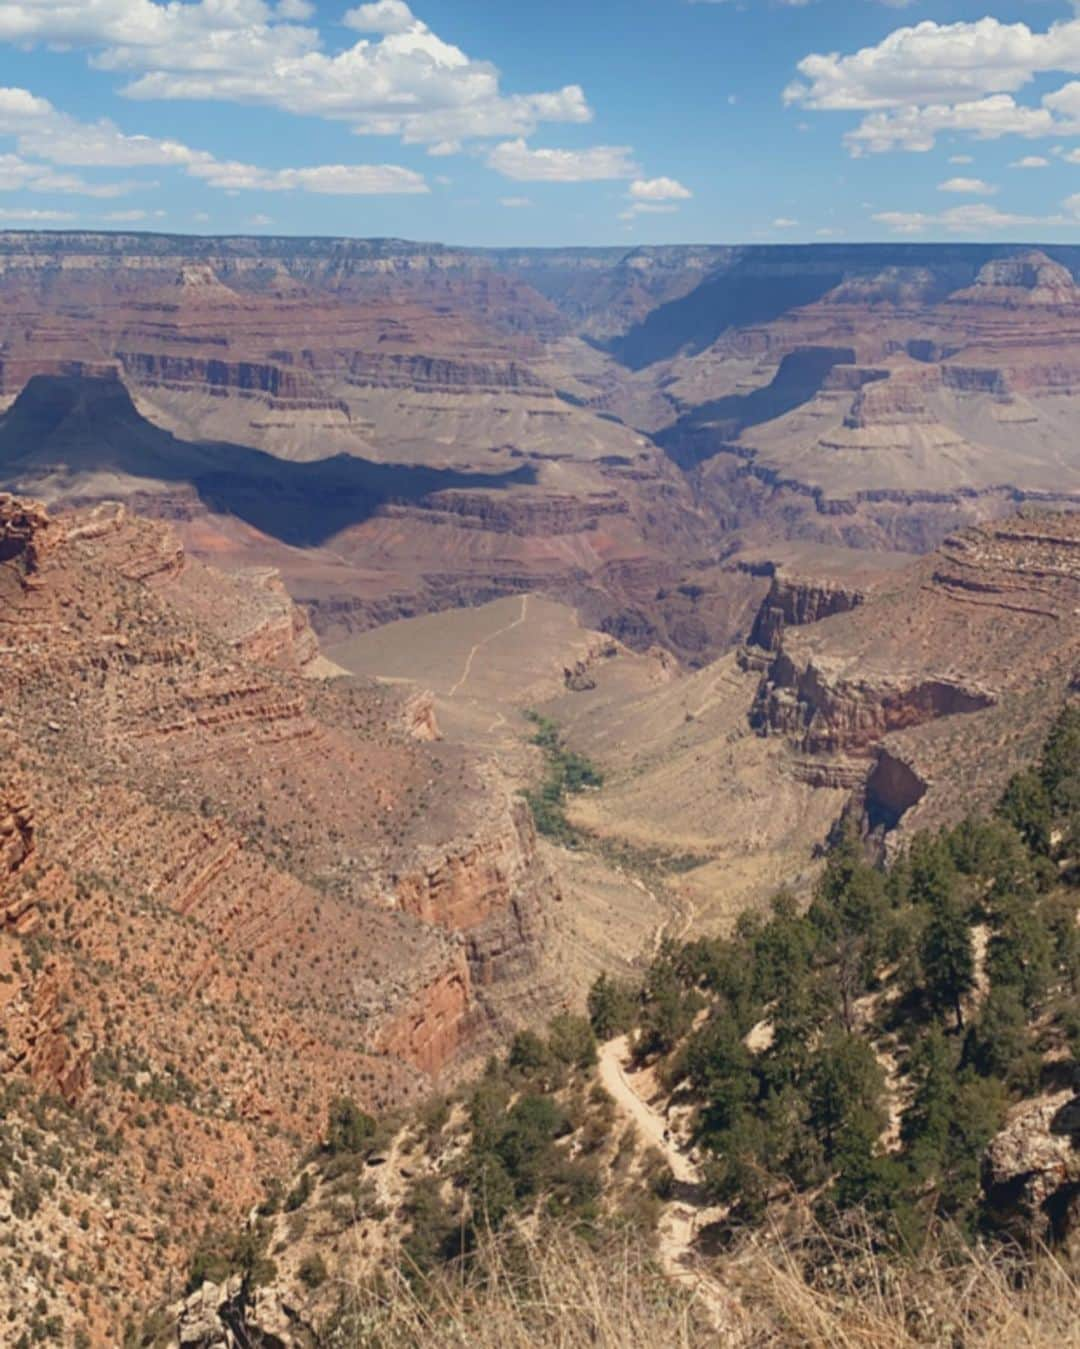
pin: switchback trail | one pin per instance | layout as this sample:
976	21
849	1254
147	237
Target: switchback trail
490	638
678	1226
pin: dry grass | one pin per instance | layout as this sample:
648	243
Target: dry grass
561	1293
824	1290
552	1293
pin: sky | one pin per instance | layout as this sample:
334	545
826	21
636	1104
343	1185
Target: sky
500	122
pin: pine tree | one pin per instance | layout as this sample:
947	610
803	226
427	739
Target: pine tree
1026	805
948	958
611	1007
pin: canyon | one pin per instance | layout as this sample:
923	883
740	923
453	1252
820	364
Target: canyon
612	428
298	540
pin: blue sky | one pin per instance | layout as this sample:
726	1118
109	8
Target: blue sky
615	121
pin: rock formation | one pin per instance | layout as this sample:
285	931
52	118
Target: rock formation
984	632
229	889
1031	1171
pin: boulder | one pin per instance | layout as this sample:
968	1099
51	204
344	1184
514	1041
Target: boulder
1031	1170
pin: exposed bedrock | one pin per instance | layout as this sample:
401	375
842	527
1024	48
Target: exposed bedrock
1031	1171
439	374
794	602
825	712
278	383
17	847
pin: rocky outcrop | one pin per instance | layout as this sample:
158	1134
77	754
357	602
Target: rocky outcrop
440	374
281	386
26	534
1021	280
435	1024
1031	1171
793	602
16	842
824	712
420	720
529	518
233	1316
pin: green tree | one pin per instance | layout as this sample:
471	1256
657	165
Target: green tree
349	1129
528	1053
844	1094
1020	951
1059	767
571	1041
948	958
1000	1044
719	1066
1026	806
931	872
611	1007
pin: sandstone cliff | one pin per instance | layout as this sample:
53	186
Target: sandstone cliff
229	890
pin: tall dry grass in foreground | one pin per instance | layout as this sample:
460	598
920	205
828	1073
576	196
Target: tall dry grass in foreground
559	1292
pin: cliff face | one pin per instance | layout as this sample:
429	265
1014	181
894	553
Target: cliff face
792	602
229	891
984	633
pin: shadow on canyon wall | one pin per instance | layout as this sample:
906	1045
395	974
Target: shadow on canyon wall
67	426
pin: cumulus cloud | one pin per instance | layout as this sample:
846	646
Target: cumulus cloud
658	189
918	128
132	217
399	78
384	16
930	78
1030	162
974	187
18	174
654	196
343	180
515	203
784	223
43	133
515	159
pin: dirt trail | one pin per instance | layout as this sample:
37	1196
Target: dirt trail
484	642
678	1226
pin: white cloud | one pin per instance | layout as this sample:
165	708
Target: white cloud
514	159
659	189
961	159
1030	162
399	79
18	174
325	179
932	62
384	16
36	217
784	223
132	217
973	187
654	196
977	218
930	78
647	208
918	128
43	132
515	203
